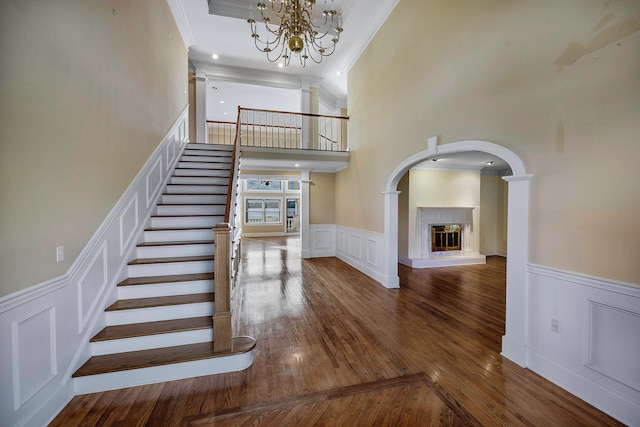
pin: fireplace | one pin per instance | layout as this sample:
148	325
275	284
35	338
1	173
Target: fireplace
446	237
449	236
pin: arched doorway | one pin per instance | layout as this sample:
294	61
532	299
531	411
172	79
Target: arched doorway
514	341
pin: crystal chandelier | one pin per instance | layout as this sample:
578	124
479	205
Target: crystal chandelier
297	32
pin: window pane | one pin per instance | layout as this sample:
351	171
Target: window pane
293	185
272	204
263	185
272	215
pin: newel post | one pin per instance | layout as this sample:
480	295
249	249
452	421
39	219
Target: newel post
222	285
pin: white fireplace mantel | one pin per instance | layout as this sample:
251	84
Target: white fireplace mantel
430	216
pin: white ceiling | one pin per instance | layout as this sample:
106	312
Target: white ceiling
468	161
229	36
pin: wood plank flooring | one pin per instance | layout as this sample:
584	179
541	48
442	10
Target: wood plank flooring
336	348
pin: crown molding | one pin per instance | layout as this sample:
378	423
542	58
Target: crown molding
369	33
180	17
229	73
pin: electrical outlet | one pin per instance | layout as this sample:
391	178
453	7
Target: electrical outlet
60	254
555	325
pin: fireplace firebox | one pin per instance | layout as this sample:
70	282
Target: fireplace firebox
446	237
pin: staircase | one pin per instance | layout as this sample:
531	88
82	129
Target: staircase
160	328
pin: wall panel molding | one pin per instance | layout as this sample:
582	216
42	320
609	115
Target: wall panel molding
129	222
32	371
91	285
322	240
361	249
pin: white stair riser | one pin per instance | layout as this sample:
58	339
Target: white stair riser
165	289
178	235
170	268
204	165
157	374
151	341
217	210
184	222
125	317
199	180
218	153
193	199
168	251
202	172
213	158
196	189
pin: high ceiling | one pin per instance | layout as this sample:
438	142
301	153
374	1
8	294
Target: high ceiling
227	34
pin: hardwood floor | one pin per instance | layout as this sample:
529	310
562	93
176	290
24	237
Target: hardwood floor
336	348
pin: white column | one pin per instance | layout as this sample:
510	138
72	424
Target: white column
390	277
514	341
305	252
201	108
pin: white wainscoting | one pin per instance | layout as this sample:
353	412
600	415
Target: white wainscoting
45	329
361	249
322	240
596	352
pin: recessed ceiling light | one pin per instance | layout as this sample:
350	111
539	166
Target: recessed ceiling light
221	102
214	56
225	114
280	65
490	162
297	165
339	73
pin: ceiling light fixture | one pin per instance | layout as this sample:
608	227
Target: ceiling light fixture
214	56
297	31
488	162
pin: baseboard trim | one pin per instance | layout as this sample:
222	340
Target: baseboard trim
590	391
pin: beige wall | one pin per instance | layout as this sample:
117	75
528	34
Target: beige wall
403	217
322	198
87	95
493	217
438	189
555	82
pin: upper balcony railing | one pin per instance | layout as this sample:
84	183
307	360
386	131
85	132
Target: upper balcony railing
282	129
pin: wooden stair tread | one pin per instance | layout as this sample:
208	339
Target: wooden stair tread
145	261
192	194
172	243
160	356
136	303
202	185
185	216
152	280
153	328
178	229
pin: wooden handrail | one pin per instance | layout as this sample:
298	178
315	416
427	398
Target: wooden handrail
295	113
223	123
256	124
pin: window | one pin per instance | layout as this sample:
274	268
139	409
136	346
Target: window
293	185
262	211
263	185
